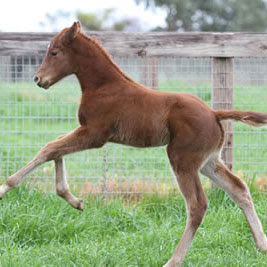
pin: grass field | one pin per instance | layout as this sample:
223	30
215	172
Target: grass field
40	229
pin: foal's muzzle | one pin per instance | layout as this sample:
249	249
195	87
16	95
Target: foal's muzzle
44	84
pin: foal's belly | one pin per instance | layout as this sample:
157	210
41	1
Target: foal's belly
141	136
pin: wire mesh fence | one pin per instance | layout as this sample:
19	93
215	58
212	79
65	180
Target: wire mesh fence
30	117
250	93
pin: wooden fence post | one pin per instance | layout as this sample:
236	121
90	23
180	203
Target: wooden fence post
223	98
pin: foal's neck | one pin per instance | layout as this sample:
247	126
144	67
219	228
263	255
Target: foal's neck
95	67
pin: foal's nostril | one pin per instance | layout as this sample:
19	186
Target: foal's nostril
36	79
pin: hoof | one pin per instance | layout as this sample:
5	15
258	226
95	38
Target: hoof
262	244
263	249
80	205
4	188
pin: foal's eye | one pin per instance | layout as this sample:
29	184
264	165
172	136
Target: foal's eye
53	54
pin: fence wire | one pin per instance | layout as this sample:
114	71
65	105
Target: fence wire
30	117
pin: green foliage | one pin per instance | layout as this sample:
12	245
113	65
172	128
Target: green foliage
210	15
43	230
94	21
105	20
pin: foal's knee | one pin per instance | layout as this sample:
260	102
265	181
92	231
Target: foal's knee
48	153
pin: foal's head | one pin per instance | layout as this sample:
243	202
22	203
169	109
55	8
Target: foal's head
57	63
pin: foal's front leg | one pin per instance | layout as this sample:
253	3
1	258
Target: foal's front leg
78	140
62	186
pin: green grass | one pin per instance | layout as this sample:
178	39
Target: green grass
37	229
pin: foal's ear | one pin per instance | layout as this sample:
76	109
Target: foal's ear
79	25
72	32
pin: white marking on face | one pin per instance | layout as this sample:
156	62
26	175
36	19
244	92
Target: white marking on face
48	45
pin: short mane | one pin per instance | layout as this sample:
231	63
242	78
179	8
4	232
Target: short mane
97	43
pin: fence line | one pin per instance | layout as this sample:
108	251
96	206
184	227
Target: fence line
149	44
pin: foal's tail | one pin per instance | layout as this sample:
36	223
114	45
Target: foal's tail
257	119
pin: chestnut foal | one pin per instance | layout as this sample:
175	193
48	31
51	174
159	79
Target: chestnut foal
116	109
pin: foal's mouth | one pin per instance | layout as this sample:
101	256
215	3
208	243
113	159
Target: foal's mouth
44	85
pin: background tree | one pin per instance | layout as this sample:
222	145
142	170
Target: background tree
99	21
95	21
105	20
212	15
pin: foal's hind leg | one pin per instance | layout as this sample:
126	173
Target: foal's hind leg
186	171
62	186
238	191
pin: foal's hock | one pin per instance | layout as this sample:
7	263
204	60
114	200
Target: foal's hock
116	109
